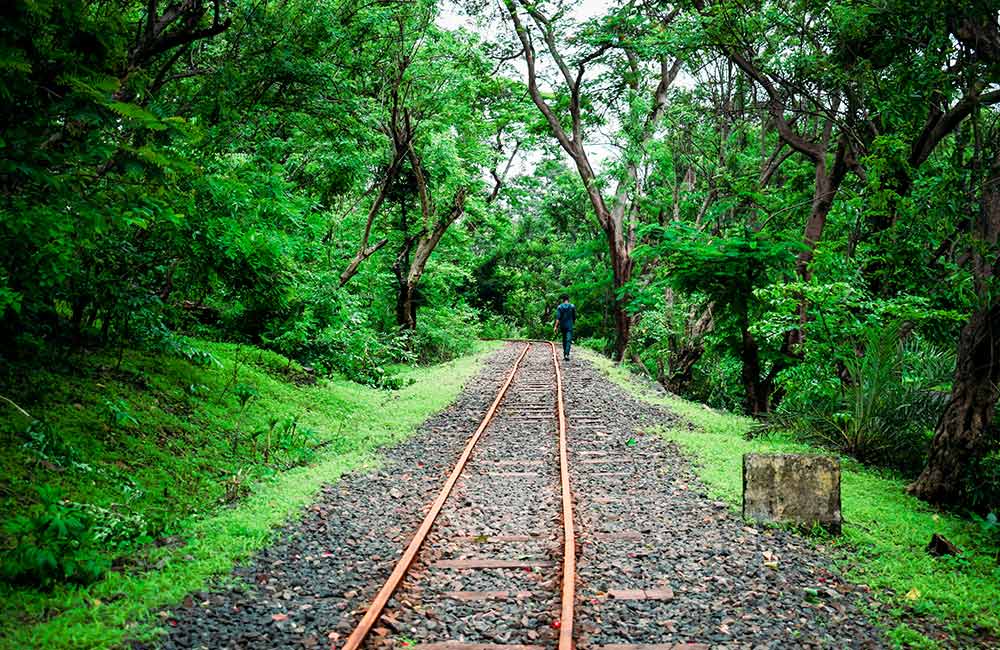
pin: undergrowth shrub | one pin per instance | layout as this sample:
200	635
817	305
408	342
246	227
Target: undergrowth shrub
596	343
339	338
237	485
716	381
53	542
982	483
289	445
444	333
884	409
49	445
361	354
498	327
115	528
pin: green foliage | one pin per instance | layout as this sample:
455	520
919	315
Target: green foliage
884	408
444	333
364	354
118	414
53	542
164	481
222	192
601	345
727	269
214	186
716	380
47	444
498	327
983	482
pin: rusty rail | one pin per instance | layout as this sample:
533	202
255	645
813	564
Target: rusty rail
569	540
378	604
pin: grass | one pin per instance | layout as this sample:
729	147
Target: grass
152	440
885	530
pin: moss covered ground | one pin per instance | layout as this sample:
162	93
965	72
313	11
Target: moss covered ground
145	446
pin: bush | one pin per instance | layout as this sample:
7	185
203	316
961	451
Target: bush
360	353
340	337
55	542
497	327
716	381
596	343
883	412
983	483
49	445
444	333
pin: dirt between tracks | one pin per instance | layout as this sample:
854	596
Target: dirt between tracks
658	561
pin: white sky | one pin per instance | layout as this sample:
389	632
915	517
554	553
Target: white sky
453	17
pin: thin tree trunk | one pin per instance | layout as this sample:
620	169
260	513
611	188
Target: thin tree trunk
755	394
364	249
621	265
413	257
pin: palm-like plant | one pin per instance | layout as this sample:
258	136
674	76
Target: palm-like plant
887	404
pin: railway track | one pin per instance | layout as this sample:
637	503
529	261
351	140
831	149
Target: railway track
502	521
655	564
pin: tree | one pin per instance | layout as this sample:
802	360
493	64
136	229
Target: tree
647	69
967	419
802	108
87	170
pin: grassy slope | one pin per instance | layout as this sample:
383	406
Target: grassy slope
177	453
885	530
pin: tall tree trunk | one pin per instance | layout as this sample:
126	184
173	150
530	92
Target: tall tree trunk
621	265
401	269
756	394
824	192
406	311
366	250
416	251
961	432
611	219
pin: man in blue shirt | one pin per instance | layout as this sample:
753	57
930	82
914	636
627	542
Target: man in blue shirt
565	317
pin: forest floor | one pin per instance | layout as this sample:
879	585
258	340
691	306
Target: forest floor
143	445
648	518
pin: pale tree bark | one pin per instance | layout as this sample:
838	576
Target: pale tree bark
611	215
417	249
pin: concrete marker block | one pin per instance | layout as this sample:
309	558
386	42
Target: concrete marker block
800	489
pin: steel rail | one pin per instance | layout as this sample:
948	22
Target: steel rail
569	541
399	572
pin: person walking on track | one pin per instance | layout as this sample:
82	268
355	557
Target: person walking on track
565	318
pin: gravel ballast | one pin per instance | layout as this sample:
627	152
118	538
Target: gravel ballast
659	562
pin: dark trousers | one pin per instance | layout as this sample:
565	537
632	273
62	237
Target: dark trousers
567	341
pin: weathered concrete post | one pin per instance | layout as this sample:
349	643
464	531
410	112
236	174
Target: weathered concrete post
792	488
